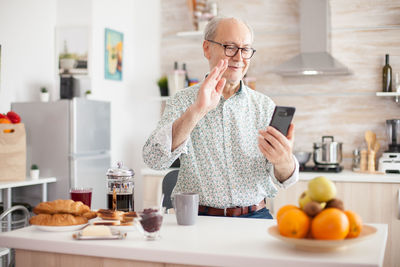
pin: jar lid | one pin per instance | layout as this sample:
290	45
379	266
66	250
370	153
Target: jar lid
120	171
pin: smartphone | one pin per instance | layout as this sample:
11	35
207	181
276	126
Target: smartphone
281	118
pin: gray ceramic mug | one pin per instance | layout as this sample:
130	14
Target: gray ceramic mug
186	207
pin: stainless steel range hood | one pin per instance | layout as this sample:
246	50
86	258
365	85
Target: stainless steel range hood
314	57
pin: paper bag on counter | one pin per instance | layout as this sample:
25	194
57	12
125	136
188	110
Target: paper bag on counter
12	152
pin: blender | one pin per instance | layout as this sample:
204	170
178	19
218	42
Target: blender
390	160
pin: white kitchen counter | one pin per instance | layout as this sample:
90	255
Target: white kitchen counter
213	241
350	176
343	176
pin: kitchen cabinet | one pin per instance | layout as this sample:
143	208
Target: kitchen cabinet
374	202
375	197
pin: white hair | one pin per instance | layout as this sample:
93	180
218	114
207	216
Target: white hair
211	29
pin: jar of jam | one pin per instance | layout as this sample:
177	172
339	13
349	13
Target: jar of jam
120	188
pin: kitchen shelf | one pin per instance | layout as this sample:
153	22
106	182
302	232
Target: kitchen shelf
388	94
395	94
190	34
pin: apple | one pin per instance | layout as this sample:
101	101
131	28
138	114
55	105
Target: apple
321	189
304	199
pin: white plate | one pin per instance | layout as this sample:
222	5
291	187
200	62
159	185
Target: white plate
323	245
68	228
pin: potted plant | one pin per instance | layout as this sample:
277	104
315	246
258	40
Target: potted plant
34	172
44	94
88	94
163	85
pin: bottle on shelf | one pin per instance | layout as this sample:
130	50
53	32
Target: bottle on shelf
356	160
186	75
387	76
176	80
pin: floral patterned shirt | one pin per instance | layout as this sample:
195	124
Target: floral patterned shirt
220	160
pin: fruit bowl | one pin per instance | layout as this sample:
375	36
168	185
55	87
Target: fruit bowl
309	244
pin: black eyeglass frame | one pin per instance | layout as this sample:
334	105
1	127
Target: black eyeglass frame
238	48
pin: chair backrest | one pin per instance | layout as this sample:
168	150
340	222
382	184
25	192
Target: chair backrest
9	222
168	185
12	219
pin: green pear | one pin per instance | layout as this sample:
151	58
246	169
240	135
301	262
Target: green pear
321	189
304	199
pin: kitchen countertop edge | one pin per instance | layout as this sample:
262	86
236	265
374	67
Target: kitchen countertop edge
168	251
343	176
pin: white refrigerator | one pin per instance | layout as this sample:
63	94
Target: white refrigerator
69	140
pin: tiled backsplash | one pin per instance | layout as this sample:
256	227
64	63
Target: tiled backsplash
362	32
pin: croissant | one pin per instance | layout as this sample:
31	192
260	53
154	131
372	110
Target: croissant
90	215
61	206
57	220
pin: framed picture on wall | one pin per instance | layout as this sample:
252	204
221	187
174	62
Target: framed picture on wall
114	43
72	48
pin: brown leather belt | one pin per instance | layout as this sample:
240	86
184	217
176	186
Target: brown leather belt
230	212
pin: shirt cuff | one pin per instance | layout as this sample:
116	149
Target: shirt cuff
164	139
291	180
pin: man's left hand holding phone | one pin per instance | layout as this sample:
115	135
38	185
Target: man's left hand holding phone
278	149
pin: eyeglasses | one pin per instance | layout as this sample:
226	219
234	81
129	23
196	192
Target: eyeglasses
231	50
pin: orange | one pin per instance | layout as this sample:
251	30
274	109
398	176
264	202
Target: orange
294	223
330	224
283	209
5	120
355	223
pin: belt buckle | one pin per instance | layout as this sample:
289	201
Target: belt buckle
225	212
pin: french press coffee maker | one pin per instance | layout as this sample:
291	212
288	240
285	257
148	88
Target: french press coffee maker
120	187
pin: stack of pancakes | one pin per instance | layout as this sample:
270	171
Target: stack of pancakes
62	212
115	217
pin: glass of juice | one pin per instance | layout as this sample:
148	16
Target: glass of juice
83	194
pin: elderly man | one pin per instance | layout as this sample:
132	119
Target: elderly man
219	130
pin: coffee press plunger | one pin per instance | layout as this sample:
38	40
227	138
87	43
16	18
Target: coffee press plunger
120	188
